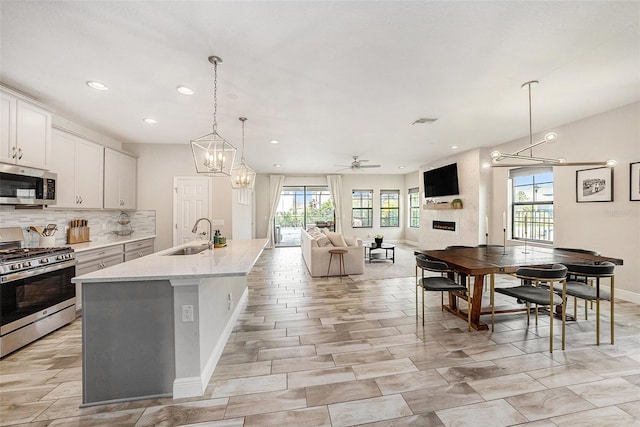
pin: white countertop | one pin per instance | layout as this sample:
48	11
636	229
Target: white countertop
115	240
236	259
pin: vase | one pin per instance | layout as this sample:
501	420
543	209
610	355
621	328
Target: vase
378	242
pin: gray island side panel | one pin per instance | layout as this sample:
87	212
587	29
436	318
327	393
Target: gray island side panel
128	341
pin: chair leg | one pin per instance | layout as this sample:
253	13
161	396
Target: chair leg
611	293
422	305
492	301
564	311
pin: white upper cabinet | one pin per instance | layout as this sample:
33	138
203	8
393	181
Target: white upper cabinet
119	180
25	133
79	165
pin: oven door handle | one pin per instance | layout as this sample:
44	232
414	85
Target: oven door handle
11	277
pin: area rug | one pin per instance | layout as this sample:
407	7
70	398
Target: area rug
404	265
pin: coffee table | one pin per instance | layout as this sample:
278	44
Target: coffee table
386	247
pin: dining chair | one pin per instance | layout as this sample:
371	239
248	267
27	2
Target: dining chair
440	283
579	287
581	251
530	292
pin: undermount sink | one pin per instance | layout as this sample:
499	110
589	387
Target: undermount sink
189	250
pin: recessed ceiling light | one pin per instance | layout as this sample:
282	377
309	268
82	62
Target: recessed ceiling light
150	121
97	85
454	147
274	141
485	165
184	90
276	165
423	120
400	167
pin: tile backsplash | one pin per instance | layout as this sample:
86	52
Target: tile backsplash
102	224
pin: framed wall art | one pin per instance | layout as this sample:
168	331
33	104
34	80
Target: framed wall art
634	181
594	185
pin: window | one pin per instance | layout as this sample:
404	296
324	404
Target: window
414	208
389	208
302	206
362	208
532	204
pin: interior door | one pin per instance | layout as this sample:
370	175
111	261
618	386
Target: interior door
191	200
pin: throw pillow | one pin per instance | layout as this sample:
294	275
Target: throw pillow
323	241
336	239
351	241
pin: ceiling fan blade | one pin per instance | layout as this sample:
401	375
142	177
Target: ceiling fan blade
362	160
369	166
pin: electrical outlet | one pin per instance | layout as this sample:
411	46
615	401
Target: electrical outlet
229	301
187	313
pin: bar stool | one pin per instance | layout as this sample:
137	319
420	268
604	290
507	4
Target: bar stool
340	254
530	293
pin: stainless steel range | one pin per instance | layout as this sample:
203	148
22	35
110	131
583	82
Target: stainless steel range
36	293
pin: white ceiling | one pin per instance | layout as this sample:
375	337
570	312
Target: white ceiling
329	79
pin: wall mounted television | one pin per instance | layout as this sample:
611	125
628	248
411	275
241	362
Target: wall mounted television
441	181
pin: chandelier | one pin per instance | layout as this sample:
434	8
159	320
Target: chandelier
497	157
212	154
242	176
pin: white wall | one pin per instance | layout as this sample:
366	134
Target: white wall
613	228
157	165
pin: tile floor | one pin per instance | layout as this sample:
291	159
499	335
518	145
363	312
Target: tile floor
330	352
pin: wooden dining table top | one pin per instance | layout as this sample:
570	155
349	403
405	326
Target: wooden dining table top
497	259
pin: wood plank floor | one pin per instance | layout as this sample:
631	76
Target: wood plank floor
331	352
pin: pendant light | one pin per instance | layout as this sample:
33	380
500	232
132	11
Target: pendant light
242	176
212	154
497	157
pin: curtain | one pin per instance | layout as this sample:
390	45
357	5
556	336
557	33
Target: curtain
335	187
275	189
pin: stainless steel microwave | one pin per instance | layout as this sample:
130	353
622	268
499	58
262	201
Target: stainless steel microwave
26	186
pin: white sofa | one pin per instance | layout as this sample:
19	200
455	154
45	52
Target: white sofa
317	257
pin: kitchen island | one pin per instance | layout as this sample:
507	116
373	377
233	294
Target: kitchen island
157	325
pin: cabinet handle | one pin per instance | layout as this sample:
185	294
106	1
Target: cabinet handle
20	153
15	152
140	254
77	200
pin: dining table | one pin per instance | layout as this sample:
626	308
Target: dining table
479	262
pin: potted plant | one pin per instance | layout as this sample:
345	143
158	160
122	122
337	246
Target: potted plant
456	204
378	238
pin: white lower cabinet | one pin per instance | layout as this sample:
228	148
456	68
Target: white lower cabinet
96	259
137	249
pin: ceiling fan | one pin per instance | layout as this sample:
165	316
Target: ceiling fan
357	164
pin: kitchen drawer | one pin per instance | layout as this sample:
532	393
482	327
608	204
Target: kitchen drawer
137	249
94	264
96	254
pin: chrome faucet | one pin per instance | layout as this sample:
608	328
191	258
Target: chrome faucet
195	229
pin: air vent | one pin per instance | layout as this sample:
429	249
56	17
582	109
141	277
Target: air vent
423	120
